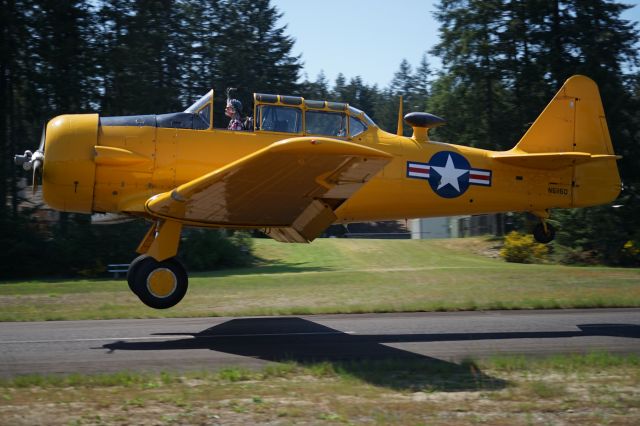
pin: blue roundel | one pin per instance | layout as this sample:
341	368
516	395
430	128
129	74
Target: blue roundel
449	174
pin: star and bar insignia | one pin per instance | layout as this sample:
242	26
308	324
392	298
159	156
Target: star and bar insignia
449	174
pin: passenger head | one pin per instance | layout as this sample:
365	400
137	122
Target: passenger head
234	106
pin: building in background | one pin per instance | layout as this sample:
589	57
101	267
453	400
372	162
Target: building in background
457	226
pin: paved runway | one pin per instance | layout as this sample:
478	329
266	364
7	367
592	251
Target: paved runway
210	343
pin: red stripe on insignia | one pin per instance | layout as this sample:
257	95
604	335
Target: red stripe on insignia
479	177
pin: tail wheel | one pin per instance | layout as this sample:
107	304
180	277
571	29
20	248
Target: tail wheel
544	233
159	285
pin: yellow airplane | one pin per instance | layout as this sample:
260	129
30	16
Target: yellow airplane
309	164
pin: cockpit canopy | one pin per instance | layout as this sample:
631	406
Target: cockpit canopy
294	114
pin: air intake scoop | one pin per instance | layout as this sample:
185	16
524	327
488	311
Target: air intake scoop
423	120
421	123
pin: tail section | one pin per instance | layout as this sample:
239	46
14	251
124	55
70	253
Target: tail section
572	132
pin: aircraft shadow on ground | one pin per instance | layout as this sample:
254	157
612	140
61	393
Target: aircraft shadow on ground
367	357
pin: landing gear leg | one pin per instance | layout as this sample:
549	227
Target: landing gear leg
156	276
543	232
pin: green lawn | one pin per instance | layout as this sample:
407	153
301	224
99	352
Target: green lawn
342	276
592	389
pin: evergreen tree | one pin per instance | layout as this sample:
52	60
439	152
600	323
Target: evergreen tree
200	26
358	94
414	89
503	60
62	45
338	93
13	67
471	52
422	84
318	89
385	112
403	82
141	60
322	85
254	54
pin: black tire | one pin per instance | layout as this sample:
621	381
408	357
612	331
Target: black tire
133	269
544	237
160	285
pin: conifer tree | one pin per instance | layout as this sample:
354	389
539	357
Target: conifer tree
200	26
503	60
254	54
471	54
339	86
63	42
422	83
318	89
13	65
142	62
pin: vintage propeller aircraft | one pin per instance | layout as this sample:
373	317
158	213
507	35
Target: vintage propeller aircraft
309	164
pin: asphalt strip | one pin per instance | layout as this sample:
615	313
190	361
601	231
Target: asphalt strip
177	337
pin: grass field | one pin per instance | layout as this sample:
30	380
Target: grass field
342	276
593	389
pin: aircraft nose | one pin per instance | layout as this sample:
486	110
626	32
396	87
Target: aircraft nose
69	170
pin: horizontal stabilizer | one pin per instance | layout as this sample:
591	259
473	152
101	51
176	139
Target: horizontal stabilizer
549	160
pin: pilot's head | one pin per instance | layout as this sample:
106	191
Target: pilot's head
234	106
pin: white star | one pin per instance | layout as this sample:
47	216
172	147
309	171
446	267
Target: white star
449	174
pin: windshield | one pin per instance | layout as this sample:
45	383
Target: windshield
200	102
355	112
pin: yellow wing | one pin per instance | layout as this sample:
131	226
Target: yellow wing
291	187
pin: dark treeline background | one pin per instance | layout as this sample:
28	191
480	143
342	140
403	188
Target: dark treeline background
502	61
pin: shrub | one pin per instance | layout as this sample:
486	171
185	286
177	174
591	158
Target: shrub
521	248
208	249
630	253
576	256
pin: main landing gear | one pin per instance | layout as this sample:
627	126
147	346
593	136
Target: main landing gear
543	232
159	285
157	277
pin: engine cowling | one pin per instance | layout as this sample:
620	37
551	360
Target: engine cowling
69	169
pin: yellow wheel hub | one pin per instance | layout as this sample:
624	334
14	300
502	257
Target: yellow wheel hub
162	282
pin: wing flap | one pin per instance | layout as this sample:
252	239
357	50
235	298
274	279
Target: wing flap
290	187
310	224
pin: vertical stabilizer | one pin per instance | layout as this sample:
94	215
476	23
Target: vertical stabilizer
574	122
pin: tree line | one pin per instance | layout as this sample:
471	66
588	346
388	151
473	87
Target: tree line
502	61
